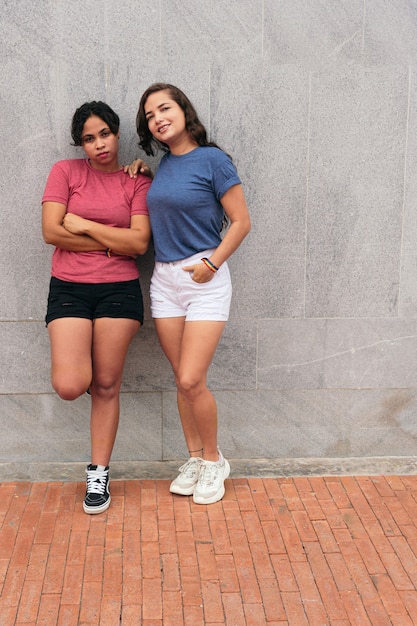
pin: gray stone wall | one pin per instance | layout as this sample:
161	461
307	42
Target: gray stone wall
317	103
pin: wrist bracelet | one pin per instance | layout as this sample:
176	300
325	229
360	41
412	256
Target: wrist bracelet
209	264
108	252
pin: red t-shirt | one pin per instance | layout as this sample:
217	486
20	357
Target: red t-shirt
108	198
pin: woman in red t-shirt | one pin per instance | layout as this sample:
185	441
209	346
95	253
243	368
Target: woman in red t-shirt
96	218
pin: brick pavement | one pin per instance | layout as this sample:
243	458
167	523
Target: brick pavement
316	551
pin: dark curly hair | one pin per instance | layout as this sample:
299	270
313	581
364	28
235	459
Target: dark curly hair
195	128
86	110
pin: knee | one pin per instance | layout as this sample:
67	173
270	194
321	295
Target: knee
68	390
105	388
189	386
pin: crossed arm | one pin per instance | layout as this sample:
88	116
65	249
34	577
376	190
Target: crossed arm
77	234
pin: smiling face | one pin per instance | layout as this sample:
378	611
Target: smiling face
166	122
100	145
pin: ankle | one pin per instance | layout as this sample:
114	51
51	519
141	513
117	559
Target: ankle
213	458
193	454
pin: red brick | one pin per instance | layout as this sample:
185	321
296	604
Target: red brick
49	610
262	561
370	556
131	615
13	584
253	526
170	573
149	525
284	572
193	615
73	584
68	615
29	601
340	572
186	549
263	505
93	568
77	548
152	599
112	575
244	496
37	562
354	609
396	571
172	608
271	599
304	526
90	603
273	537
151	564
191	586
338	493
167	536
8	615
325	536
341	550
206	562
294	608
312	506
22	548
182	514
212	602
293	544
390	597
110	610
220	536
201	528
233	608
227	573
292	497
254	615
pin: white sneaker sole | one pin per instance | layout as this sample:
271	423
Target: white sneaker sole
182	491
95	510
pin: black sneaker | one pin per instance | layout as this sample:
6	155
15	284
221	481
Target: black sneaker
97	497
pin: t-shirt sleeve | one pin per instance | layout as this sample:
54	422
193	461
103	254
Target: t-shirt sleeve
224	177
139	206
57	184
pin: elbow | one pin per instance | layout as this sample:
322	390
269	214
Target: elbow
143	249
140	249
247	226
47	238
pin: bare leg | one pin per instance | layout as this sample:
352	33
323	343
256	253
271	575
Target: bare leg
71	367
190	346
111	339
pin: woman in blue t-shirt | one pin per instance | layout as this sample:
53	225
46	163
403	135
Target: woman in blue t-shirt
195	187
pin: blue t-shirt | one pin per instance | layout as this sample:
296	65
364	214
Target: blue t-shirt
184	202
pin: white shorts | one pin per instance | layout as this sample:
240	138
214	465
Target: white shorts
175	294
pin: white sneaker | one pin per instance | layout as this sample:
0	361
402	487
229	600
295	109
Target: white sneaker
185	482
210	486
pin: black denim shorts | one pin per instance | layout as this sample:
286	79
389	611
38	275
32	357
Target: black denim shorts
91	301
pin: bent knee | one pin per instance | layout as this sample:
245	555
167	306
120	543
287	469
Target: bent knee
68	391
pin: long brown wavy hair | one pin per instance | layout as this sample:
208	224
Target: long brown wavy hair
195	128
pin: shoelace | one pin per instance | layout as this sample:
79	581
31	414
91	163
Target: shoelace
208	473
96	481
190	467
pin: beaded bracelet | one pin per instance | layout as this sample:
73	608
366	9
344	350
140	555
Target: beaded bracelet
108	252
210	265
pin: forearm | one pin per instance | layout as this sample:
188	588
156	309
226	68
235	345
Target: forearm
126	241
61	238
231	241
